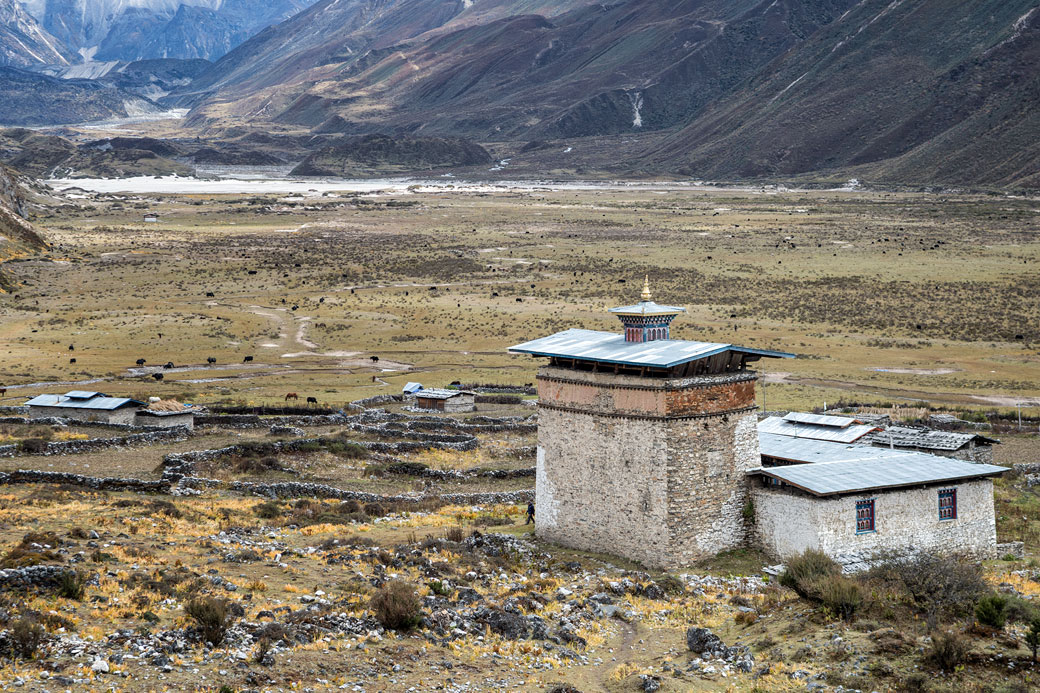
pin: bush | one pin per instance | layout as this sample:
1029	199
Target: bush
211	616
439	588
948	650
33	446
455	534
25	637
938	585
806	568
72	585
838	594
268	510
397	606
374	510
1033	637
992	611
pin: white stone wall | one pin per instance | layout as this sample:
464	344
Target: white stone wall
124	415
906	521
606	488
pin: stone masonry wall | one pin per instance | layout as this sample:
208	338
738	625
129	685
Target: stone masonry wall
652	470
707	485
906	521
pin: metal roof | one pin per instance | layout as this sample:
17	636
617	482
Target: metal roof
819	419
435	393
925	438
805	450
785	427
647	308
410	388
83	394
610	347
99	402
895	471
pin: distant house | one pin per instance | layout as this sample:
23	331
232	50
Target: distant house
456	401
85	406
410	389
166	413
972	447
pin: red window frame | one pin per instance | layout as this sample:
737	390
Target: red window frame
865	516
948	504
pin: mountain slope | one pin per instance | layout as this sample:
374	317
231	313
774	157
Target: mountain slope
128	30
33	99
24	43
925	91
593	70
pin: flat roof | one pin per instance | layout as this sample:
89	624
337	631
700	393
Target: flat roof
895	471
610	347
434	393
819	419
786	427
929	439
100	402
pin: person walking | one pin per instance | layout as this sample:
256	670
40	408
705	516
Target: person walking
530	513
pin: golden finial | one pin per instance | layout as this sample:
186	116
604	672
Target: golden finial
646	296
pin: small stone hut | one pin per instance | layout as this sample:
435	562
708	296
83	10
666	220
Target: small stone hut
85	406
452	401
166	413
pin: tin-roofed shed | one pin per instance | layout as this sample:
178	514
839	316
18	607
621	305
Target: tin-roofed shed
453	401
973	447
84	406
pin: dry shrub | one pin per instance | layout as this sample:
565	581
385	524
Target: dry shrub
72	585
396	606
25	637
212	617
34	548
948	650
840	595
455	534
806	568
938	585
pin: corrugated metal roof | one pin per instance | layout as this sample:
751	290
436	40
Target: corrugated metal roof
774	424
899	470
610	347
805	450
646	308
819	419
435	393
100	402
84	394
925	438
411	387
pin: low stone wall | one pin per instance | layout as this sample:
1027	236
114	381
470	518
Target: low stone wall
75	447
32	576
32	476
14	410
63	421
376	401
256	421
295	489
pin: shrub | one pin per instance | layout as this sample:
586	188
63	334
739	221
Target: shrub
937	584
1033	637
948	650
397	606
374	509
439	588
268	510
25	637
455	534
33	446
72	585
992	611
806	568
1021	610
211	616
671	584
838	594
351	451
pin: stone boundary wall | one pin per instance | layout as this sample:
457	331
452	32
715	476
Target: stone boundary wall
372	419
296	489
62	421
76	447
32	476
403	469
374	401
32	576
257	421
14	410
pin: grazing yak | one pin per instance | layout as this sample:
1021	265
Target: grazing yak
168	365
211	360
312	400
157	376
141	362
247	359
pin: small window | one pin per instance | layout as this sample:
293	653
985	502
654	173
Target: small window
948	504
864	516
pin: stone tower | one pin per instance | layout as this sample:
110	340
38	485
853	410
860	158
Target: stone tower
644	441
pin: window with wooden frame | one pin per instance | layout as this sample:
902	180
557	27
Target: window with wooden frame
948	504
864	516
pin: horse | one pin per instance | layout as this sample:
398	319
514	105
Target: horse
291	396
3	391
